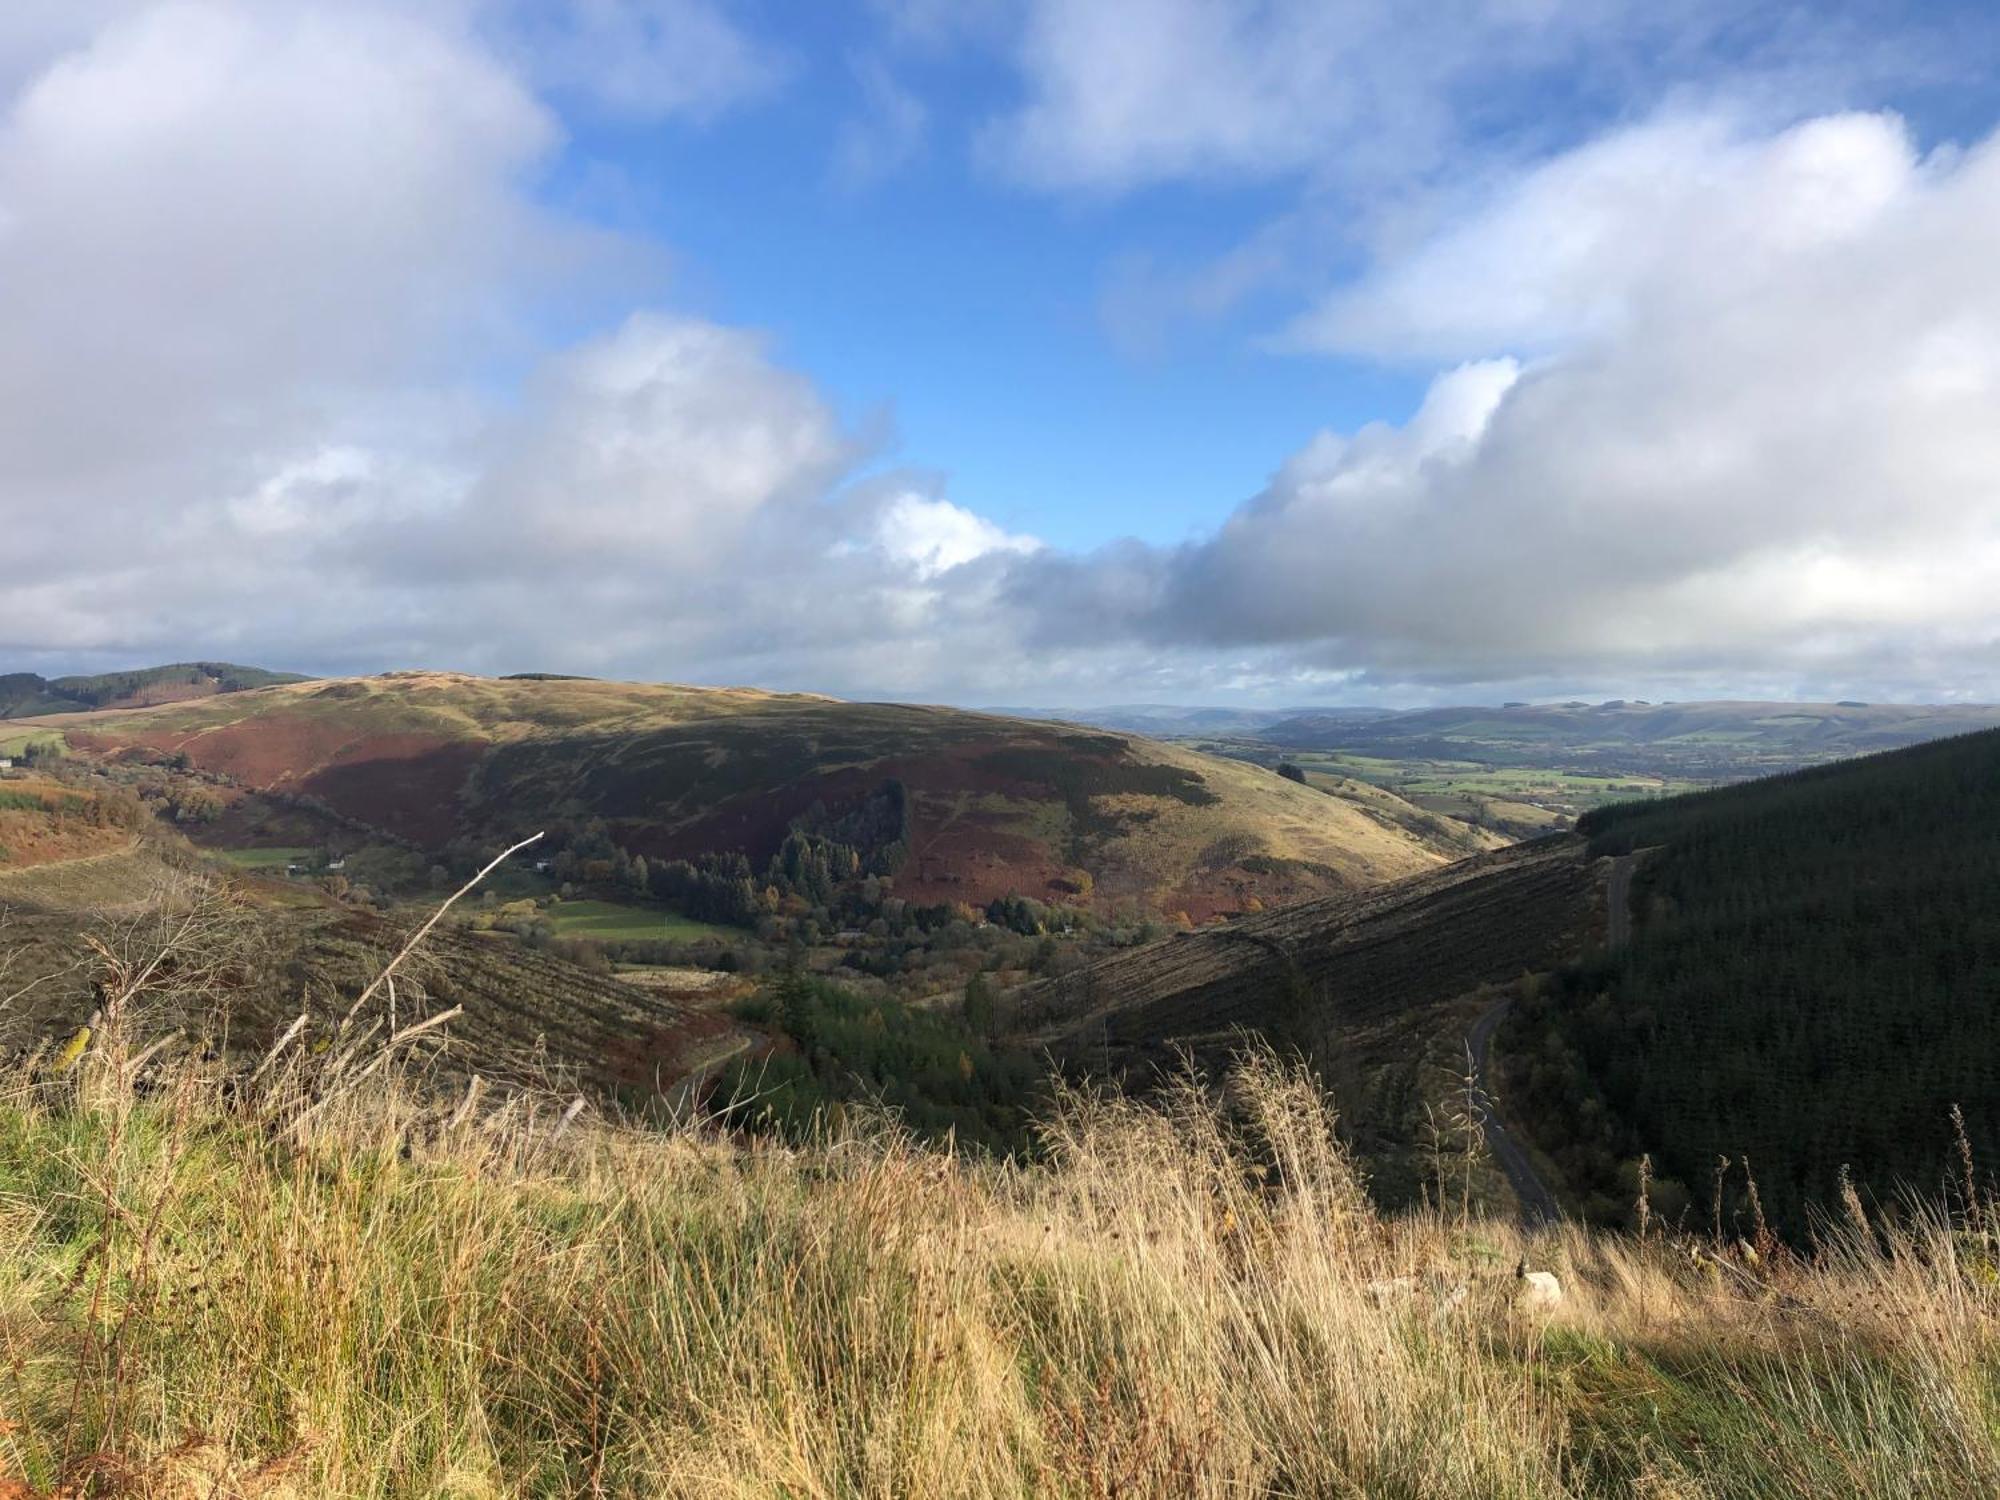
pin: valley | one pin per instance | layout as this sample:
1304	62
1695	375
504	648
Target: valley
929	884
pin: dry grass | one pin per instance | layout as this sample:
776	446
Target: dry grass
331	1281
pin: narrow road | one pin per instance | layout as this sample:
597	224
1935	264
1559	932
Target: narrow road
1538	1204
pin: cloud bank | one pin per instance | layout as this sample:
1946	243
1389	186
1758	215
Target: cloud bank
1718	404
1728	405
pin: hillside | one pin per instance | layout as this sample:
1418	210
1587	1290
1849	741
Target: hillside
958	806
23	694
44	821
1812	983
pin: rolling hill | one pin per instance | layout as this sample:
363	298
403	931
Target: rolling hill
25	695
1710	740
982	806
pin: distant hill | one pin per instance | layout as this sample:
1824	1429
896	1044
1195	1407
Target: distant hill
1170	721
1813	982
24	694
965	806
1676	739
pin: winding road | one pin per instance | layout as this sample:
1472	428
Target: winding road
1538	1204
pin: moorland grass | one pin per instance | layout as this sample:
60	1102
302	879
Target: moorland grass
209	1291
326	1272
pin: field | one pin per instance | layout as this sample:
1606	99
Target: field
614	920
14	746
270	1299
1517	801
262	860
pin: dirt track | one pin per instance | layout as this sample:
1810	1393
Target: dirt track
1538	1204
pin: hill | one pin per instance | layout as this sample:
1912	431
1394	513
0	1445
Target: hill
24	695
1174	721
1813	982
955	806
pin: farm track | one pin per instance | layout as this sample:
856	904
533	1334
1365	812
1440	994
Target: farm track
59	884
1538	1205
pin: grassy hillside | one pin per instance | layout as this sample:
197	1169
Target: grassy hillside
1813	984
990	806
219	1289
23	694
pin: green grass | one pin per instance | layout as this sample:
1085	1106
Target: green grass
262	859
1559	789
615	921
14	746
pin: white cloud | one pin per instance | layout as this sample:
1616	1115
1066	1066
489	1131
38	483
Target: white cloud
1565	252
1758	434
932	536
1122	93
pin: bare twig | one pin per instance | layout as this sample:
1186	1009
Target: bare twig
424	931
279	1045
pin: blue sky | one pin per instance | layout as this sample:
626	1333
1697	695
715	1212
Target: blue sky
971	308
981	311
1009	350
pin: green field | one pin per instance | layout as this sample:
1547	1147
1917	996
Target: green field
262	859
14	746
1549	789
617	922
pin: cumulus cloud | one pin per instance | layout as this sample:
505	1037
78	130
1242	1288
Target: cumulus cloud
1739	417
1717	403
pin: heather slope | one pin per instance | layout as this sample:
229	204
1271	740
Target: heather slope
995	806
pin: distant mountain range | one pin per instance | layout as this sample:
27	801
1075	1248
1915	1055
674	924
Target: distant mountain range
1720	740
1171	720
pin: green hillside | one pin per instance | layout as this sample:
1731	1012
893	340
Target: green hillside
1813	983
24	694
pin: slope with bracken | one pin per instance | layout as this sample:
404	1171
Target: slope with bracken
990	806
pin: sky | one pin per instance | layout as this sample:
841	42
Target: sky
1043	352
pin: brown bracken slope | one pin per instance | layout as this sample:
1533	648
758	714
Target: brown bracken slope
996	806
